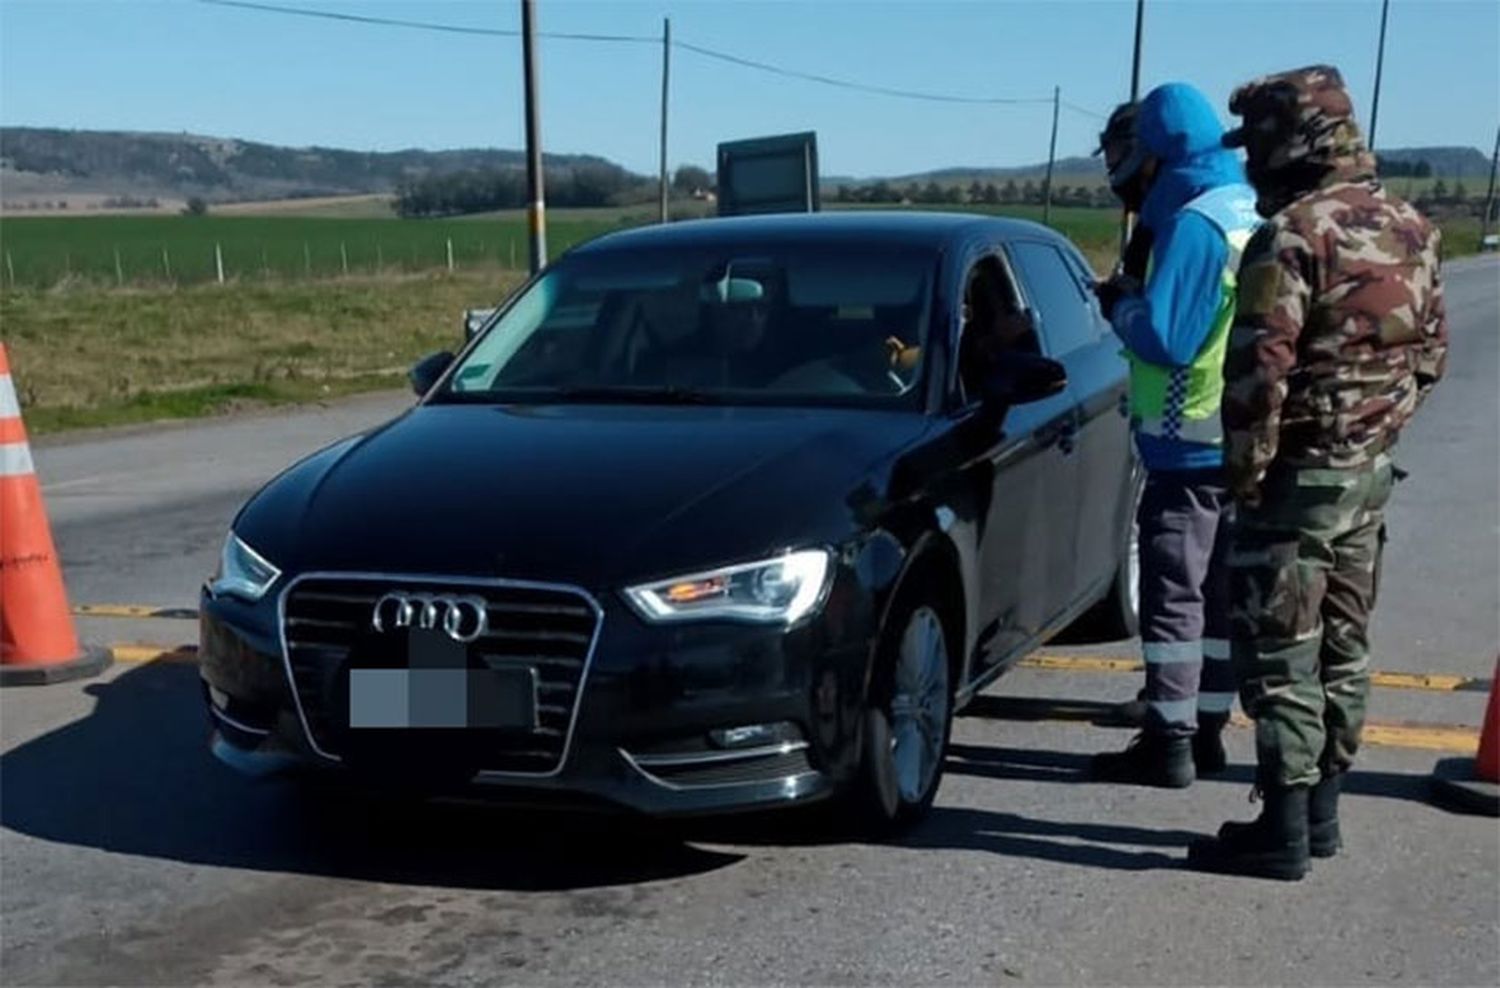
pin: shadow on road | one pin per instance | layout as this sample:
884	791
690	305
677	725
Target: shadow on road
1028	765
135	777
1091	845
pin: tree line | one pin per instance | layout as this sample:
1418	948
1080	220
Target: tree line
591	184
1407	168
1028	192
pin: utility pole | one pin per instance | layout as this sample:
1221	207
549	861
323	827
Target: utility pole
1127	221
1051	157
1385	9
536	209
666	72
1489	198
1135	62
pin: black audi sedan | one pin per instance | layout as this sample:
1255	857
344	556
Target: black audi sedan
712	516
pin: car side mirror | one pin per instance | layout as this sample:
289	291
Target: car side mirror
425	372
1020	378
474	320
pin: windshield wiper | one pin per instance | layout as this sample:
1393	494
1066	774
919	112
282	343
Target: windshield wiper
604	394
668	394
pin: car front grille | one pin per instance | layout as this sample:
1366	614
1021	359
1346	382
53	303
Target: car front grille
327	628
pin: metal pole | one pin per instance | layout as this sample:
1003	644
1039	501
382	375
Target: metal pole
1127	220
536	214
1385	9
1489	198
1051	158
1135	63
666	72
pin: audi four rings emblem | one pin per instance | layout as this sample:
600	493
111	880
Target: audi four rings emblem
462	618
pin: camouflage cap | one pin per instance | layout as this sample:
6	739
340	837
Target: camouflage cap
1300	116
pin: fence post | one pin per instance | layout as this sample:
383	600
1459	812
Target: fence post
119	271
219	261
306	259
344	257
450	253
166	262
10	269
513	254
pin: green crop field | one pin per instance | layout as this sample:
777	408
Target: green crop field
43	252
40	252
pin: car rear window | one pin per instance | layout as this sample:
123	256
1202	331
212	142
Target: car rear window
1055	289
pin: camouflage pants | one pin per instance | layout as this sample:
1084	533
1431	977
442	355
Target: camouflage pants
1304	568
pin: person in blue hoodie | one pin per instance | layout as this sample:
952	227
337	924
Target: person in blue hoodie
1199	213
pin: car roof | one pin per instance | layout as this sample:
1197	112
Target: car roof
913	228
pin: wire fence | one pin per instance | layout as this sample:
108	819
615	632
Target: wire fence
141	264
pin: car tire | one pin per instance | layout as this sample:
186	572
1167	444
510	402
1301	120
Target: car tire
907	721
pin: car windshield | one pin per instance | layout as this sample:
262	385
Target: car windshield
804	324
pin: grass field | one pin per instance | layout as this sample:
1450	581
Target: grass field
40	252
89	357
44	252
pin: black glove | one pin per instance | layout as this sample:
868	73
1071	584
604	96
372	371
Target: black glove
1110	292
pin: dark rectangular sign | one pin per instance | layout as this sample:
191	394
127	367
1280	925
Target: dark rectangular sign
769	175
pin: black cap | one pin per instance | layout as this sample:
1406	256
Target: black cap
1120	127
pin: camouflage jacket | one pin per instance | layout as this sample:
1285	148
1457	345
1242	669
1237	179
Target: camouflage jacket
1339	333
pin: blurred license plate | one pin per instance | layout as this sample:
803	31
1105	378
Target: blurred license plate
443	698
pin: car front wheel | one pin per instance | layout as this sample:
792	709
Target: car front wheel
908	720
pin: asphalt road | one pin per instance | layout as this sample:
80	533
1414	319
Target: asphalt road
128	856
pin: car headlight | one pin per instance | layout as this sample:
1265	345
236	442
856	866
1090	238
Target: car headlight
772	591
243	572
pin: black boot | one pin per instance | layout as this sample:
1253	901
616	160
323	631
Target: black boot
1150	760
1323	837
1131	713
1209	756
1274	846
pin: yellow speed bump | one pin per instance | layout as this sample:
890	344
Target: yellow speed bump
1418	681
154	653
1080	663
1427	737
1436	682
133	611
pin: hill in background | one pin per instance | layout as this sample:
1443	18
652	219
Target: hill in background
38	162
131	169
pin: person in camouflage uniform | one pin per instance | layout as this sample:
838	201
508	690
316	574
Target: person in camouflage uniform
1339	335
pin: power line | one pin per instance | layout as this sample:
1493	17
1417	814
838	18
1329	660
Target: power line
858	86
641	39
1083	110
494	32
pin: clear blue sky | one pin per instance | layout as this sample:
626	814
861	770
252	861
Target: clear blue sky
178	65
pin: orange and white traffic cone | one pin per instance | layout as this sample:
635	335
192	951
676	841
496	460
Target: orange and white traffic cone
37	641
1473	784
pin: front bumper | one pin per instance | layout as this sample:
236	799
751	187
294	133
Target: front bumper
646	734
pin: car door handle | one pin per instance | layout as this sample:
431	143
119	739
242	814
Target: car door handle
1067	438
1063	435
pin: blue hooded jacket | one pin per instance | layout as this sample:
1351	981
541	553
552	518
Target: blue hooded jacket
1171	320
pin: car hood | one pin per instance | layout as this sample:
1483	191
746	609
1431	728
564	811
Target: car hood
590	495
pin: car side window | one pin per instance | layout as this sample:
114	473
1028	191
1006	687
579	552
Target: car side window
1067	321
993	323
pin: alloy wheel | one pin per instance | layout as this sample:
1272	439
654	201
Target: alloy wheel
919	705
